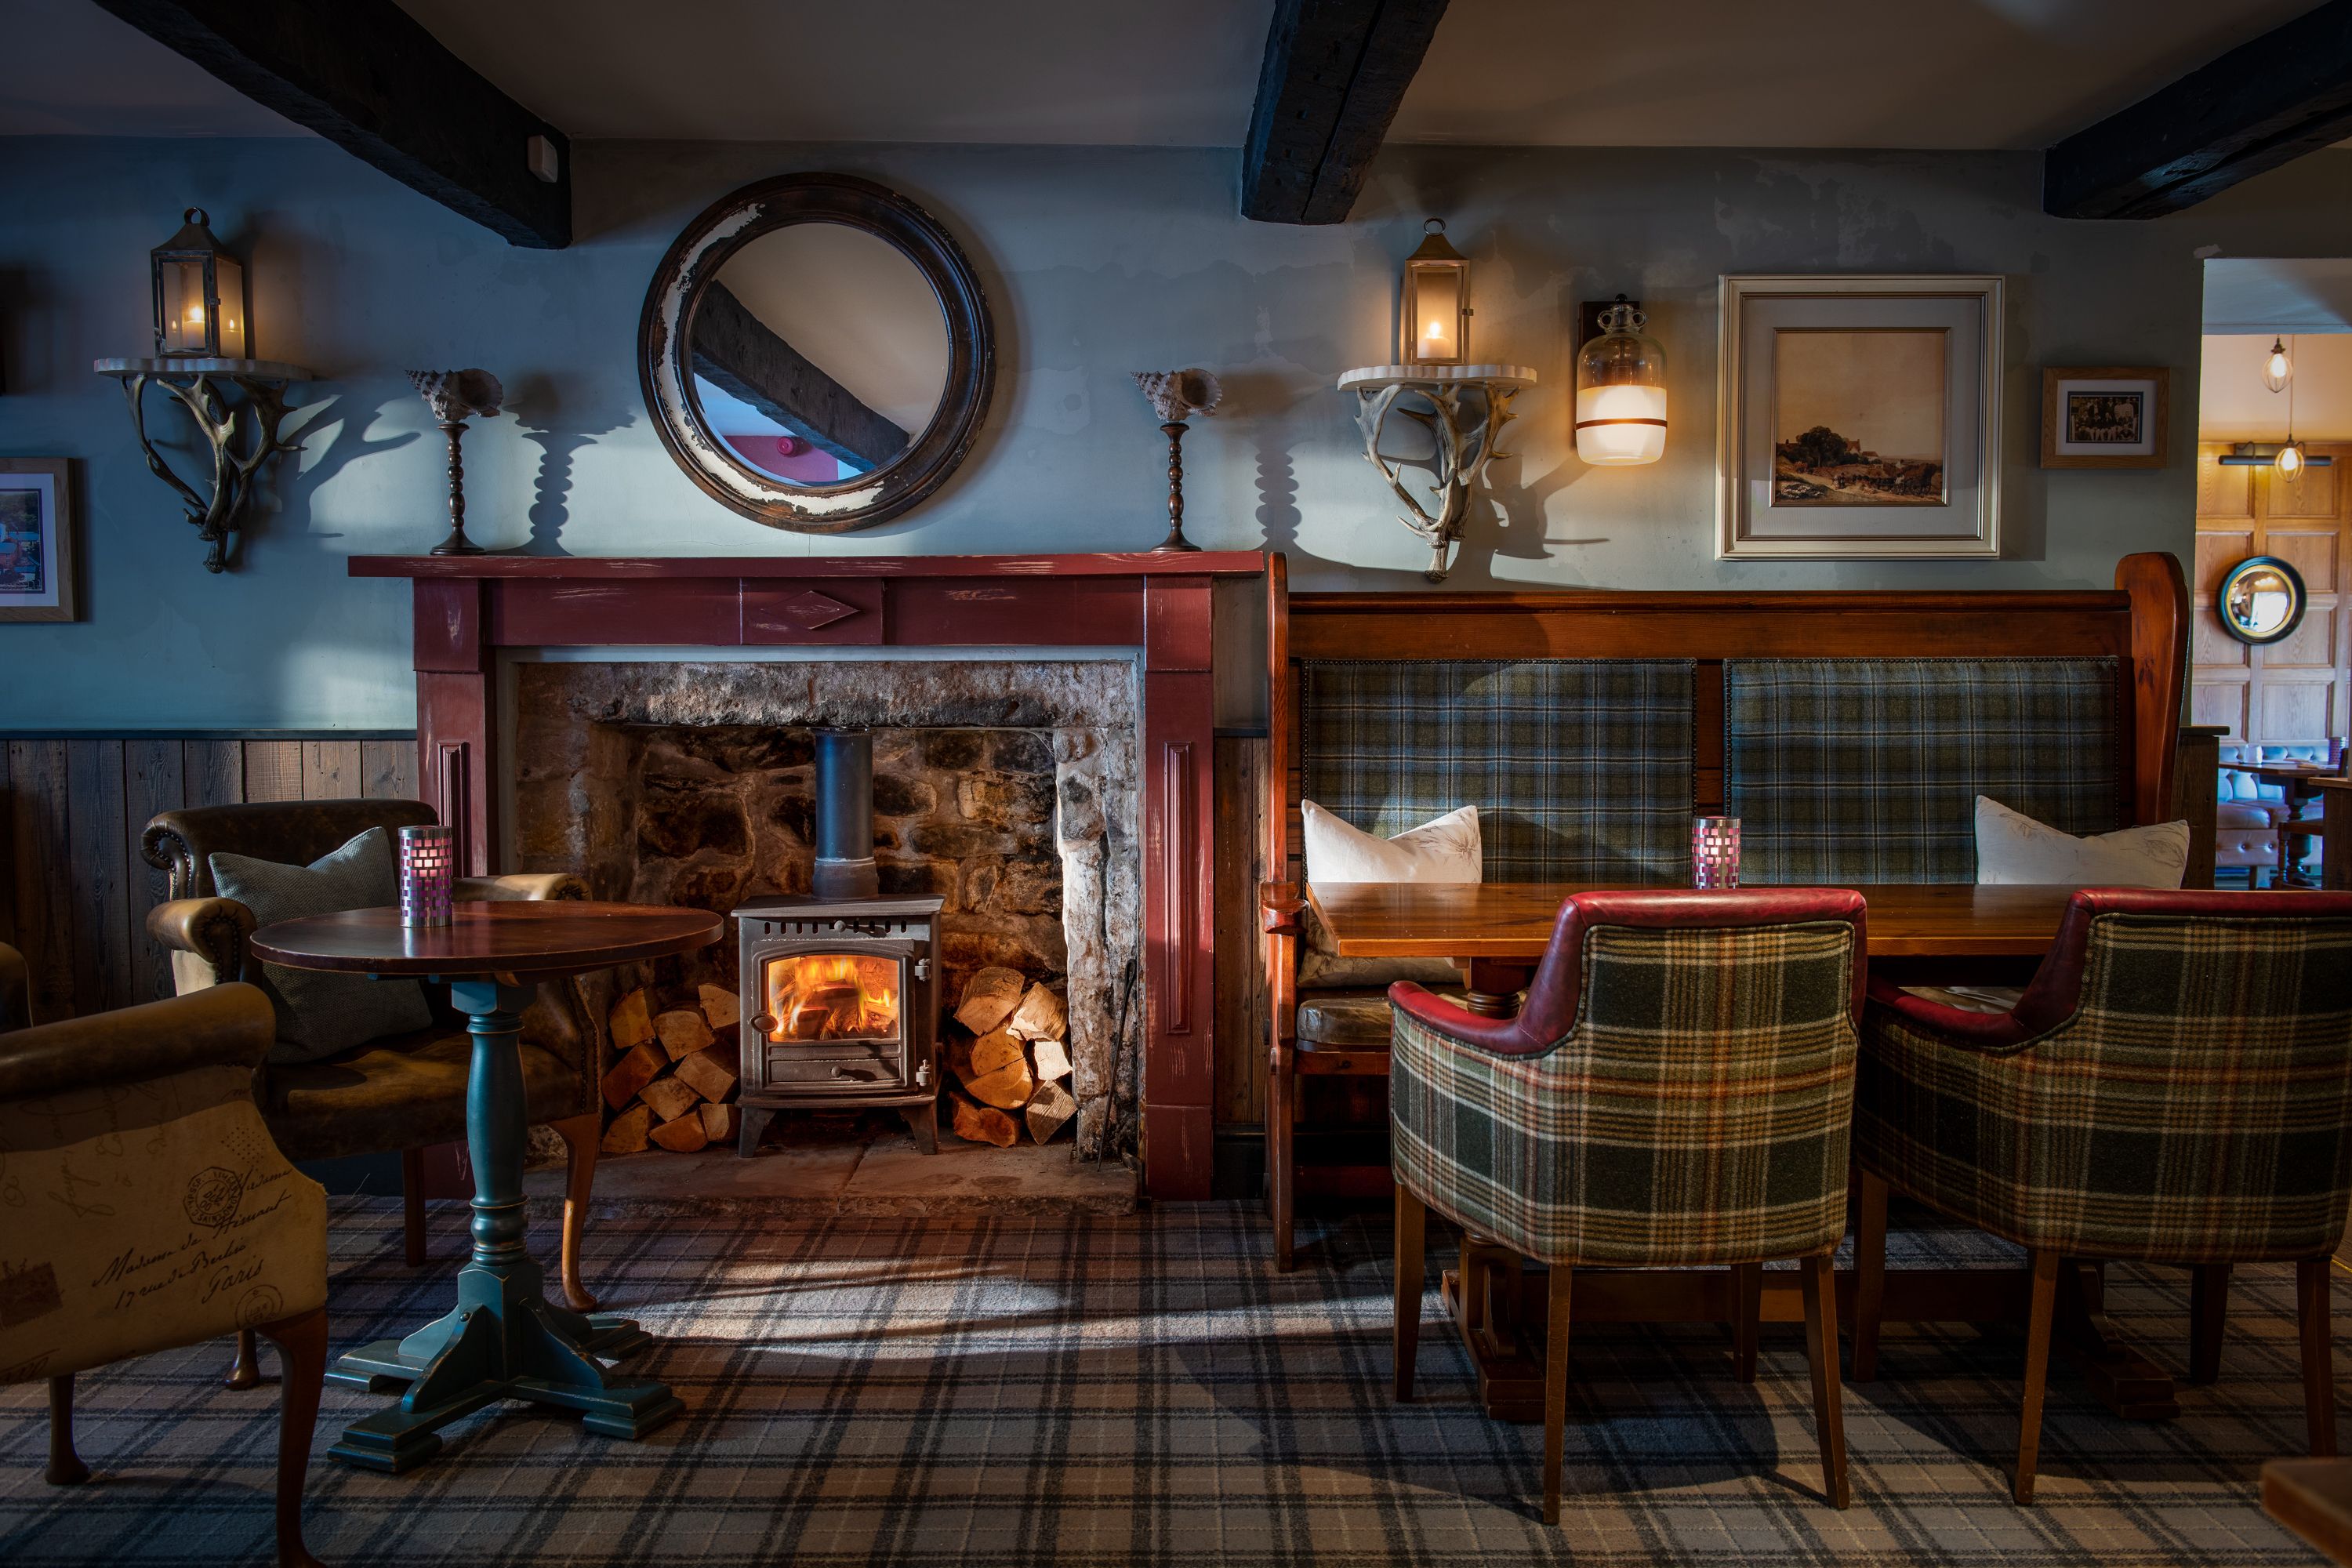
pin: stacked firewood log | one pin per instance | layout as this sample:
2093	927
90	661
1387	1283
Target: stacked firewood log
673	1079
1006	1062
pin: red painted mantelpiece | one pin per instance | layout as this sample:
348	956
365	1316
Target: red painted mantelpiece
469	607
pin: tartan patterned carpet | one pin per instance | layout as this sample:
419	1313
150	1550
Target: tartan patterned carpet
1144	1389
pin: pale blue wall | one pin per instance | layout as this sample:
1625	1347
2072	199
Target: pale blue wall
1099	262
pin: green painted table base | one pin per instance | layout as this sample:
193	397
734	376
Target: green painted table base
505	1340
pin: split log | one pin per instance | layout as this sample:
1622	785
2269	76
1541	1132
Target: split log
632	1073
989	999
670	1097
994	1068
1051	1059
711	1073
720	1005
630	1025
982	1123
684	1136
1047	1113
628	1134
1009	1088
682	1031
1041	1017
720	1122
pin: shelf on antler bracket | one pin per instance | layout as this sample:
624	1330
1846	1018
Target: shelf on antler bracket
1462	408
203	388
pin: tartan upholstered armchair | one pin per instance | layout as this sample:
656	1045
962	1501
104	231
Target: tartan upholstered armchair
2175	1086
1676	1090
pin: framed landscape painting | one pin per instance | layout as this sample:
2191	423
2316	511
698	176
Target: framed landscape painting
2105	419
36	554
1859	418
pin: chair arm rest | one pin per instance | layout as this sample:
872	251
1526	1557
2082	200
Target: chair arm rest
1502	1036
213	928
1279	905
536	886
228	1025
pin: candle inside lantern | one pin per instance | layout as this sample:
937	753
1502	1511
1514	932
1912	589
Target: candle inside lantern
428	874
1714	852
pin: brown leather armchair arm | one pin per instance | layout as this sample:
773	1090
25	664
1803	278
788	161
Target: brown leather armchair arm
229	1025
531	885
213	928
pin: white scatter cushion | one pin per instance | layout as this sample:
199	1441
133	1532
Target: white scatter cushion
2013	847
1444	850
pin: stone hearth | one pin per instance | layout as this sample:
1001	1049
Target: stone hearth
1009	790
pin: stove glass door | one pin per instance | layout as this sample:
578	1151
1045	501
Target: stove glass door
833	1020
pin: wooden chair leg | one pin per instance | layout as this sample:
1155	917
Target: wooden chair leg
1281	1174
1869	1273
244	1372
302	1352
583	1136
1747	1318
65	1469
1563	1278
2313	1277
411	1204
1412	1227
1820	1284
2037	1373
2209	1317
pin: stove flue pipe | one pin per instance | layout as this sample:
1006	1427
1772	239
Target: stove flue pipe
845	816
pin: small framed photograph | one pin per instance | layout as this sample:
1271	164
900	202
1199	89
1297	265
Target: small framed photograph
2105	419
1859	418
37	551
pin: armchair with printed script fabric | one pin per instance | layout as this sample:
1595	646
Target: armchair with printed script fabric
146	1208
1677	1091
404	1092
2174	1087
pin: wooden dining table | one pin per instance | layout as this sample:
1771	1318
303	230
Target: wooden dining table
1496	933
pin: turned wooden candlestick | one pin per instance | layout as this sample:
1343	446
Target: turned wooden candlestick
457	543
1175	429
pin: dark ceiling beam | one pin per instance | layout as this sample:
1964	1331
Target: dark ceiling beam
2260	105
1335	71
365	76
739	354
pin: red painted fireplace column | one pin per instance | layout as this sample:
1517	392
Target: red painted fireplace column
467	607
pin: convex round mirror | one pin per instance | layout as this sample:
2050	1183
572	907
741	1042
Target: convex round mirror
2261	600
816	352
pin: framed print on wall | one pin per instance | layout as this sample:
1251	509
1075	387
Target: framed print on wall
2106	418
36	554
1858	418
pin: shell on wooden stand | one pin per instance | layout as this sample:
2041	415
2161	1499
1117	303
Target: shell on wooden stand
455	394
1178	395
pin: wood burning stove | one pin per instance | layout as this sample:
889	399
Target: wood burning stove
839	987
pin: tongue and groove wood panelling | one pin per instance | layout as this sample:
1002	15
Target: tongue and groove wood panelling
74	890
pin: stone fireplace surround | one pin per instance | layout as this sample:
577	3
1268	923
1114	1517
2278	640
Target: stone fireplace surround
470	611
1009	788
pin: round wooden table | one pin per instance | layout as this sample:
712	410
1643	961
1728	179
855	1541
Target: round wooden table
503	1339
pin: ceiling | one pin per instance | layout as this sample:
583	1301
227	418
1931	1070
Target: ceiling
2259	294
1731	73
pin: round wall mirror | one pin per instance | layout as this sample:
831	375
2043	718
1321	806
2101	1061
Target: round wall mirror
2261	600
816	352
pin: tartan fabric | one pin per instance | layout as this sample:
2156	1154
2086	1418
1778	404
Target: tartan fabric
2197	1108
1581	769
1866	770
1697	1112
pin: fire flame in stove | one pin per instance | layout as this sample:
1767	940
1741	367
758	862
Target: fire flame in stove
833	996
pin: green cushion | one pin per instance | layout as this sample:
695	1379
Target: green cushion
321	1013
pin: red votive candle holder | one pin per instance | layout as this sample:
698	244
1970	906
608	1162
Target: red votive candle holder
1714	852
428	875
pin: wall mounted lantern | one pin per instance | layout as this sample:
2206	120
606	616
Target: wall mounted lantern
1621	391
204	346
1435	323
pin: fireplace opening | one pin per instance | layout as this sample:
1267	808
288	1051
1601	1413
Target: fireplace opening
831	998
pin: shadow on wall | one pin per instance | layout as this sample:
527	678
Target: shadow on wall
328	448
540	414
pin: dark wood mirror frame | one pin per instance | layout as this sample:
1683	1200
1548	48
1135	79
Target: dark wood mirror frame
666	327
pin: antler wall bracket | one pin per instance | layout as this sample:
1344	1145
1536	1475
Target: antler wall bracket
243	433
1462	409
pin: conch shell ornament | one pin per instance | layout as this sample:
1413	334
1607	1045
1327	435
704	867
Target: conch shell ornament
455	394
1178	395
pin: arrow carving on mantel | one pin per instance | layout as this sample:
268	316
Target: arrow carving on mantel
810	609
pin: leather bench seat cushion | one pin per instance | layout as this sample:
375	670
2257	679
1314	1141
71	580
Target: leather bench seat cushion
1354	1018
397	1093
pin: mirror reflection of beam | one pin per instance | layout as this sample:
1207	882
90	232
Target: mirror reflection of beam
736	353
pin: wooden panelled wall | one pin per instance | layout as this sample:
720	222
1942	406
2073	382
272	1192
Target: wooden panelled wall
75	890
2299	689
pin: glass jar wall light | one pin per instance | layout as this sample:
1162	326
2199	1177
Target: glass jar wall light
199	295
1621	392
1435	323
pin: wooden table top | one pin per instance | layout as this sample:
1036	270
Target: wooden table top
514	936
1514	919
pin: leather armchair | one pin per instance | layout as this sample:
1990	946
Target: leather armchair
137	1135
406	1092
